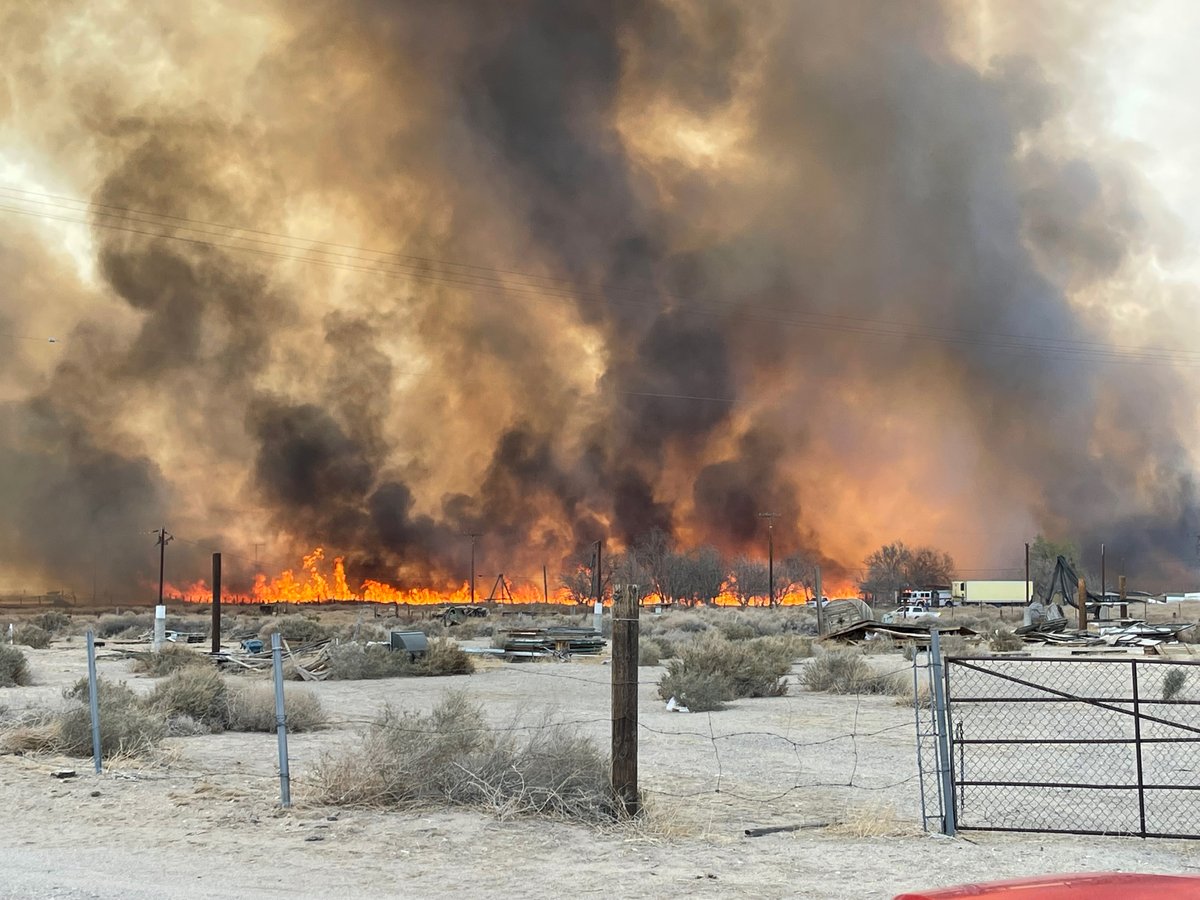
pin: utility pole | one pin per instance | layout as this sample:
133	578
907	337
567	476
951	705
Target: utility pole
1103	579
770	517
216	603
1027	573
160	611
820	604
625	699
545	585
597	591
473	535
256	546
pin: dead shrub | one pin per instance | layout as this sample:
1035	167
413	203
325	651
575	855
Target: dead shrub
451	756
712	670
52	621
115	624
846	672
649	652
295	629
882	643
355	662
199	693
32	636
171	658
126	728
1004	641
14	668
252	708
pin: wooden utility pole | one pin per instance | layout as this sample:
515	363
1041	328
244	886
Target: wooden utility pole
216	603
545	585
1081	599
1124	600
625	700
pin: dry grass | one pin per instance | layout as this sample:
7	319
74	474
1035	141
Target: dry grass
452	757
193	696
124	624
127	728
14	668
870	821
846	672
252	708
295	629
1004	641
171	658
52	621
32	636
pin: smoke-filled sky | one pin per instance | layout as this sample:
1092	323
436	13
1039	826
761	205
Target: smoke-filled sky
373	275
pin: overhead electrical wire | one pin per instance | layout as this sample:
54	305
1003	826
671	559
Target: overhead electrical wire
347	258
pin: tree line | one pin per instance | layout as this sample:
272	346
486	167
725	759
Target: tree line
698	576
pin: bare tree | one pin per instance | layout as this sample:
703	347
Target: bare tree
927	566
699	576
751	579
795	574
577	576
886	569
656	556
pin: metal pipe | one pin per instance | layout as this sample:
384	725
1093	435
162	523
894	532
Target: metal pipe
93	699
943	730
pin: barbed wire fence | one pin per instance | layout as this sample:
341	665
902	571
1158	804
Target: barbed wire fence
764	767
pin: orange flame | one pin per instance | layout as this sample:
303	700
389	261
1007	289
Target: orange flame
317	582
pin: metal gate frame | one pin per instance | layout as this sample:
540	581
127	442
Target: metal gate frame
1134	706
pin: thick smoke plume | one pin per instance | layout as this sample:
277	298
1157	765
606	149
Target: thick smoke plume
374	276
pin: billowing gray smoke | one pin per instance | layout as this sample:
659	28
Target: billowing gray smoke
637	265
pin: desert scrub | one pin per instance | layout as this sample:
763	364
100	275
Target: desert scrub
32	636
453	757
295	629
127	728
846	672
1173	684
356	662
124	624
171	658
14	668
202	696
1003	641
712	670
649	652
52	621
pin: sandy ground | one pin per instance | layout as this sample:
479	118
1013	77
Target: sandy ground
205	822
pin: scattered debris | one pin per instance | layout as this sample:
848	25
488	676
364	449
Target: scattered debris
559	641
674	705
914	632
63	773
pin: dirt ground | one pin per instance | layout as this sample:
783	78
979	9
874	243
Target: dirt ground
204	821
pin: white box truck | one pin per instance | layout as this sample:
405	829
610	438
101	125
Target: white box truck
990	593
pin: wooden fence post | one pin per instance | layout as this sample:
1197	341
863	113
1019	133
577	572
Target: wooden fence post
625	700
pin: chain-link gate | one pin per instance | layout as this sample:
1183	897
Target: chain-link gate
1085	746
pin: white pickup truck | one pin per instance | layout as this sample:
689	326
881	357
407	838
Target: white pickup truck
909	614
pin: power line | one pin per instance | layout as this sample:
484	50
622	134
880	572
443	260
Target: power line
474	276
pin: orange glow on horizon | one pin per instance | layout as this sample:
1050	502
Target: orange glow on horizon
319	582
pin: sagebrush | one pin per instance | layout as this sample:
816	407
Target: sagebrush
354	661
846	672
452	756
32	636
14	668
712	670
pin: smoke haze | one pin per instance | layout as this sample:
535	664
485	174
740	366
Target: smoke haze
555	272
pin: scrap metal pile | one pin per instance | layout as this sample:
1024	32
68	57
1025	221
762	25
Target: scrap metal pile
559	641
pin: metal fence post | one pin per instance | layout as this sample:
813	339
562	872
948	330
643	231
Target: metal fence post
1137	744
943	731
285	781
93	699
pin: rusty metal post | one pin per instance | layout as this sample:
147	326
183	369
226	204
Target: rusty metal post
216	603
1081	599
625	701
